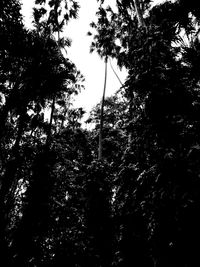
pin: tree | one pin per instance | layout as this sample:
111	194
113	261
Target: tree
102	113
33	73
100	44
137	206
115	119
161	97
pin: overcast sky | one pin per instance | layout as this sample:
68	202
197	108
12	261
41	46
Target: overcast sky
90	65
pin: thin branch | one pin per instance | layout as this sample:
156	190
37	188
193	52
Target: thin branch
102	111
115	72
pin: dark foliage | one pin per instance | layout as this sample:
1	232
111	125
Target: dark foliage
139	204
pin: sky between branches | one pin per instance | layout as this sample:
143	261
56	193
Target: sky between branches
90	65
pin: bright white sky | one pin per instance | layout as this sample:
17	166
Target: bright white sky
90	65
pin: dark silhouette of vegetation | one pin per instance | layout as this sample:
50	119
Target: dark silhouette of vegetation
136	206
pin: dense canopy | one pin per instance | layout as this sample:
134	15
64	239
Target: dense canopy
124	191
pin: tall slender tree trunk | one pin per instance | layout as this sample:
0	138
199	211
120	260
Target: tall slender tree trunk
102	111
139	13
6	194
115	73
51	121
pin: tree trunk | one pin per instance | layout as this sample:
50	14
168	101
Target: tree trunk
51	121
6	196
139	13
115	73
102	111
